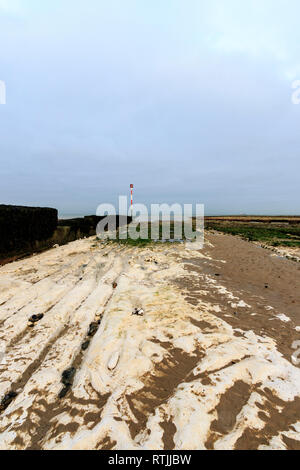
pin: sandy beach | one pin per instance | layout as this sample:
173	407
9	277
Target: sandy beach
210	363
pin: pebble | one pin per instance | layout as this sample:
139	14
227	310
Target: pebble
36	318
138	311
113	361
93	328
68	376
85	345
6	401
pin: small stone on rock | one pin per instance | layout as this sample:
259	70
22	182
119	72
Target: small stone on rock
36	318
6	401
113	361
138	311
93	328
68	376
85	345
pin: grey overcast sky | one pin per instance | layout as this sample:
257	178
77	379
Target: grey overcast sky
190	100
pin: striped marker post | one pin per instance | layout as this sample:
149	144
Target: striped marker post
131	198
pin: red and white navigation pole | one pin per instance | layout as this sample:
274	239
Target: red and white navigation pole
131	199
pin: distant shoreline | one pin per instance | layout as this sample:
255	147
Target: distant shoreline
241	216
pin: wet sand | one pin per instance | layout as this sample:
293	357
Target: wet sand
208	366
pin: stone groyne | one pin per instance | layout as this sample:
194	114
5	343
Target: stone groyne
28	230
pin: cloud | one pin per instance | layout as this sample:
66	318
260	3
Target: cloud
10	6
188	100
